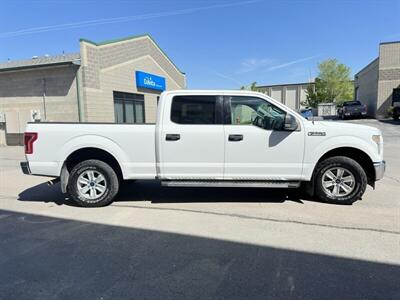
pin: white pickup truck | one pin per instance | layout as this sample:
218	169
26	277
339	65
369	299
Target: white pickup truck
209	138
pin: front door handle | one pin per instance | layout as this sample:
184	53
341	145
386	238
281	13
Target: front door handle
172	137
235	137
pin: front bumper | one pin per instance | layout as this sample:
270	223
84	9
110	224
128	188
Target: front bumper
25	167
356	114
379	169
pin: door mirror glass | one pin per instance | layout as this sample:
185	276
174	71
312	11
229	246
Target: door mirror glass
290	123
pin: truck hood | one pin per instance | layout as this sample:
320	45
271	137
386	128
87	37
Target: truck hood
343	127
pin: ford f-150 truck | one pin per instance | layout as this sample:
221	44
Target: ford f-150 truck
209	138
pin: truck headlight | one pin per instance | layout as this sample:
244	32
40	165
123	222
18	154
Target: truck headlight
377	138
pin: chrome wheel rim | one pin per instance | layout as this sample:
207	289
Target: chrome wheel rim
91	185
338	182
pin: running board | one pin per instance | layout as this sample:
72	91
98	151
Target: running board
226	183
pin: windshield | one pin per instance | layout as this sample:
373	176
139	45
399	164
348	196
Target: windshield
352	103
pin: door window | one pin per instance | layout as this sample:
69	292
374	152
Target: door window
194	110
257	112
129	108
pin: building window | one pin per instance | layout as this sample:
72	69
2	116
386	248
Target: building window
128	108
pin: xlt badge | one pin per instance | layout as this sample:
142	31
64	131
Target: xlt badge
317	133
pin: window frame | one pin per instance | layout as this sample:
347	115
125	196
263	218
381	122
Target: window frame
124	100
218	118
228	114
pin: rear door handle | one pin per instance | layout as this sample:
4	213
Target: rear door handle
172	137
235	137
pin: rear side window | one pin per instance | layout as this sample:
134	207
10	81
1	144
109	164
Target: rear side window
194	109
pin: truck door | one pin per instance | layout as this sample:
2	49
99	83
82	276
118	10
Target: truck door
192	138
256	146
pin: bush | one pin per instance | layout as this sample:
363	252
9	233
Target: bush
390	111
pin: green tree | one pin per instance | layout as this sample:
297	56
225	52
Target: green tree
251	87
333	84
312	98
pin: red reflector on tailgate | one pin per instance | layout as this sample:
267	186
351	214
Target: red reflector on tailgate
29	139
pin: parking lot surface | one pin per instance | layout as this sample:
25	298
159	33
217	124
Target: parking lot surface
158	242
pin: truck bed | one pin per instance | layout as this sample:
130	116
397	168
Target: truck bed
133	145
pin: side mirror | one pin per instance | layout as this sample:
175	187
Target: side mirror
290	123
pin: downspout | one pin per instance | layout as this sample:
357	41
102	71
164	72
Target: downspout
44	98
78	90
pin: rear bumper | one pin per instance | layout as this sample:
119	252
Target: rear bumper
379	169
25	167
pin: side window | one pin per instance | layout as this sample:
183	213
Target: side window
257	112
194	109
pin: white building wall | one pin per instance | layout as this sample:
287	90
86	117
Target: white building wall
291	97
276	93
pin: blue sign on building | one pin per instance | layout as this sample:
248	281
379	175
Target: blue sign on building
150	81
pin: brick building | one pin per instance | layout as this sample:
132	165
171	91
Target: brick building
377	82
113	81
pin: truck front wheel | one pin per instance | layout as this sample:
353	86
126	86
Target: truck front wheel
340	180
93	183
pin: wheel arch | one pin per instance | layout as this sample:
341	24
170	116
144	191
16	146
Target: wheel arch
87	153
360	156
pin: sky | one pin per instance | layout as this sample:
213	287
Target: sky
219	44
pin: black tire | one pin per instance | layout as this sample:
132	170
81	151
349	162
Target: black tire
396	117
110	179
350	165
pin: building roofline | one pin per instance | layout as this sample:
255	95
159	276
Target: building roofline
132	37
376	59
28	67
285	84
393	42
112	41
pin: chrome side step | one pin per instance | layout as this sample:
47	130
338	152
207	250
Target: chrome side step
230	183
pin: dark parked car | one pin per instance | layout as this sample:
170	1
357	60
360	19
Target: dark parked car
396	103
352	109
396	112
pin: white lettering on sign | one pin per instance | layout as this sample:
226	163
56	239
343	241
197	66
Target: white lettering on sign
149	81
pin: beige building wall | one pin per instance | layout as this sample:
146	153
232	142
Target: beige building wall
389	75
292	95
111	67
21	92
276	93
366	86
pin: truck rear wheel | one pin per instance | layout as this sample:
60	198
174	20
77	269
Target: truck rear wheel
93	183
340	180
